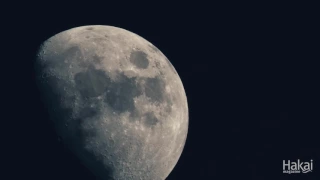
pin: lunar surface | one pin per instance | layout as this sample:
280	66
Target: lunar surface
116	101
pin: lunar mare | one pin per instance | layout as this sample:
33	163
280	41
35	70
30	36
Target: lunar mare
115	100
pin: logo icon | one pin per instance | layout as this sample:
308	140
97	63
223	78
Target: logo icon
292	167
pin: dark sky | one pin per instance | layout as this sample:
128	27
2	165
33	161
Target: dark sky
249	75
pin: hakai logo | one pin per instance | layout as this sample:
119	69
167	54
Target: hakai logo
297	167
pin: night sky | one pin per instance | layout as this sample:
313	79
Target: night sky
249	76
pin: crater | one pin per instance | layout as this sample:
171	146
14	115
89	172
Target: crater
139	59
89	28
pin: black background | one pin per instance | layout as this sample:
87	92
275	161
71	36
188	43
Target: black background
248	70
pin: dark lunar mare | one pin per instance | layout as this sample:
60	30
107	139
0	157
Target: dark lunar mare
139	59
151	120
91	83
155	89
120	94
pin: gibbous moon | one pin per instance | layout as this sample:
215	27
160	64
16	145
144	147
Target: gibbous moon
116	101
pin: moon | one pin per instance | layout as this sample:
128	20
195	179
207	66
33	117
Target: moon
115	100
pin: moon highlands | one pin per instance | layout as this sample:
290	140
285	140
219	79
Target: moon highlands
115	100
